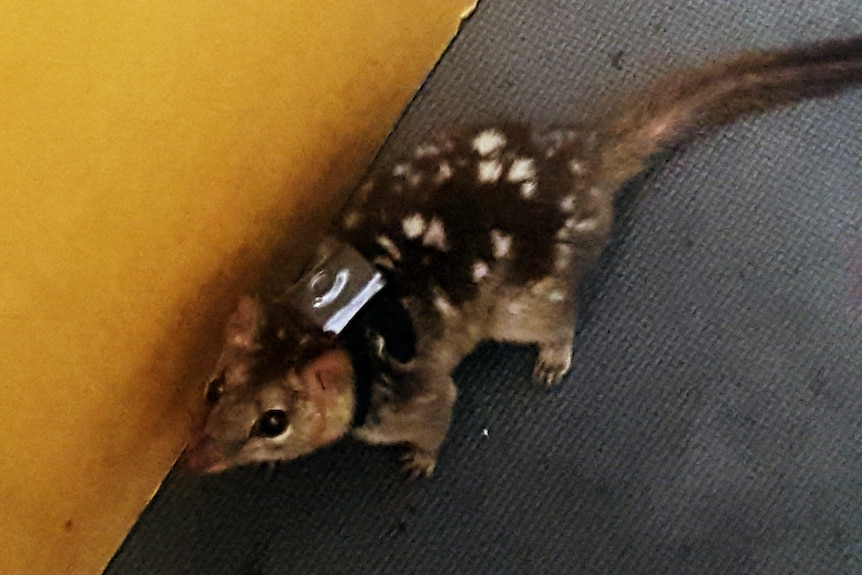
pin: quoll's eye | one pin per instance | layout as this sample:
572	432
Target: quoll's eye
215	389
272	423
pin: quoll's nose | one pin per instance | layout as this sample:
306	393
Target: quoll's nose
202	456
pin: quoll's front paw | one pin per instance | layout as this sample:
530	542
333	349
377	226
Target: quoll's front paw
553	363
418	463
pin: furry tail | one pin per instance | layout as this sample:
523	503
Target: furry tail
719	94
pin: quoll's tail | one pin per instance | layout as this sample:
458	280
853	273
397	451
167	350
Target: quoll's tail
716	95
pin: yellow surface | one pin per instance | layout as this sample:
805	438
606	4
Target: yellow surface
150	151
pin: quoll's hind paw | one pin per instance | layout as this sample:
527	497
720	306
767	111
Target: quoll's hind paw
553	363
418	463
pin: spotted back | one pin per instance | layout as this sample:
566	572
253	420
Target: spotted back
492	198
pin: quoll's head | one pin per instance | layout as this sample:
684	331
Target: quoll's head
281	389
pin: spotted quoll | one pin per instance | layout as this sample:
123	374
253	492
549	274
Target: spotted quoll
486	233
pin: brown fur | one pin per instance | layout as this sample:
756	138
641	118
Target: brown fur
487	234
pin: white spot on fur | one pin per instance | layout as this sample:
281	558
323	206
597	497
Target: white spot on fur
378	343
480	270
544	287
576	167
520	170
435	236
425	150
529	189
390	247
489	171
569	204
443	305
563	257
401	170
556	296
352	220
488	142
556	140
586	225
574	225
413	226
414	179
501	244
443	173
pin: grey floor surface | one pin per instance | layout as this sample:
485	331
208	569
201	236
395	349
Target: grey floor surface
713	419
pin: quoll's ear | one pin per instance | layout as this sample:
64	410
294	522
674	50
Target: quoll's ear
244	325
331	371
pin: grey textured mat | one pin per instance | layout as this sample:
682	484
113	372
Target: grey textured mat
713	420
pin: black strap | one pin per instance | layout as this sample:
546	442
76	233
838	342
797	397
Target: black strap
382	316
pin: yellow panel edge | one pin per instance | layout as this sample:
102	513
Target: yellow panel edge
152	153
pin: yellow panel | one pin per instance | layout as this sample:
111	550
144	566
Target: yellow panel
150	152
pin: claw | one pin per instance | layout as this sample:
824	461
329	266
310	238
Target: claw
552	364
417	464
543	377
548	374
